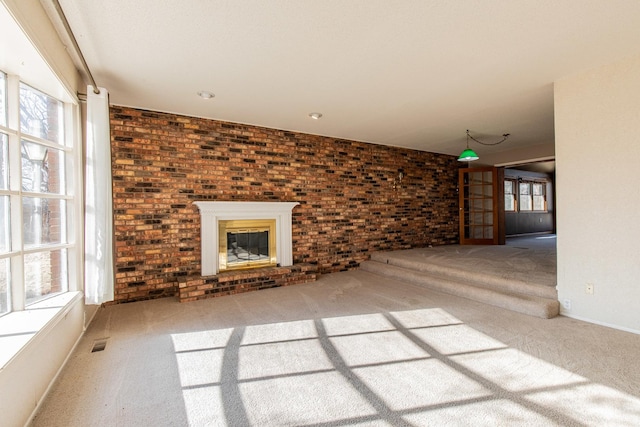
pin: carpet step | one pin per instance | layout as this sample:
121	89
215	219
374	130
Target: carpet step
476	278
522	303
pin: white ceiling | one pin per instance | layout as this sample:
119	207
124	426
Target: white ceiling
415	74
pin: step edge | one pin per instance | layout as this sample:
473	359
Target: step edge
481	279
527	304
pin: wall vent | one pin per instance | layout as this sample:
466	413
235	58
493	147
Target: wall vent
99	345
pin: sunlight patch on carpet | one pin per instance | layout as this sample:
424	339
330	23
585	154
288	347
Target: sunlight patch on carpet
414	367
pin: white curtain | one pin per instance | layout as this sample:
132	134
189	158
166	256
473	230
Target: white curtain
99	276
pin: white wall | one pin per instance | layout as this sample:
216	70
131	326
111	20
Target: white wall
597	122
25	380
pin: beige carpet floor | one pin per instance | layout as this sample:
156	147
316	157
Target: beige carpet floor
350	349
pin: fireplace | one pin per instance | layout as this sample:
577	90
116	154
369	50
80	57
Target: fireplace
242	235
246	244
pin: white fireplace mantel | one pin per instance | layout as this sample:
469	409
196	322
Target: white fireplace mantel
212	212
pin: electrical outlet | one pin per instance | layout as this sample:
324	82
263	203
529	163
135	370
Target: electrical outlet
589	288
566	304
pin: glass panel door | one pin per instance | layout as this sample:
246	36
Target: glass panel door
479	208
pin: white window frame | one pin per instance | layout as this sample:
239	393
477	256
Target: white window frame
514	193
543	186
71	145
523	197
518	196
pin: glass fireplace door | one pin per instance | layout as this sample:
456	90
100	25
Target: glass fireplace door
246	244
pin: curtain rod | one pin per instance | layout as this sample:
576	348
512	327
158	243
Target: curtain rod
67	28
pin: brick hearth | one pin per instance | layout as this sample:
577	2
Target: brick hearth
233	282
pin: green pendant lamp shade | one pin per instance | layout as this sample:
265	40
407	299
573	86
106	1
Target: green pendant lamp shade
468	155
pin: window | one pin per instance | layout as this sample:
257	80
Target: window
4	198
509	197
531	195
36	195
526	203
539	201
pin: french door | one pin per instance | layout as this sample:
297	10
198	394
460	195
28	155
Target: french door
481	206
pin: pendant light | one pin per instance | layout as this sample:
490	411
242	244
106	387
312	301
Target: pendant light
468	155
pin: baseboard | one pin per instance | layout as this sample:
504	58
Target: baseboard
93	316
599	323
537	233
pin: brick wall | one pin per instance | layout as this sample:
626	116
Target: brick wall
349	207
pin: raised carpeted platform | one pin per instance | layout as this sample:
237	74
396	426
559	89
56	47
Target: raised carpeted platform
520	276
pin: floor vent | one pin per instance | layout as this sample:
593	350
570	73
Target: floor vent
99	345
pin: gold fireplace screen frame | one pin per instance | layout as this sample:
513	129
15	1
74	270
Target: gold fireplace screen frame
246	226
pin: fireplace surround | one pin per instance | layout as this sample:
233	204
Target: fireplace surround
245	216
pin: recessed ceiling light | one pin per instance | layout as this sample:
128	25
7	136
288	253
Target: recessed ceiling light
315	116
205	95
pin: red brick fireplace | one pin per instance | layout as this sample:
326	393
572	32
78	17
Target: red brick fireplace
349	201
213	281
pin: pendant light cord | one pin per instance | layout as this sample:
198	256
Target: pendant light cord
504	138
